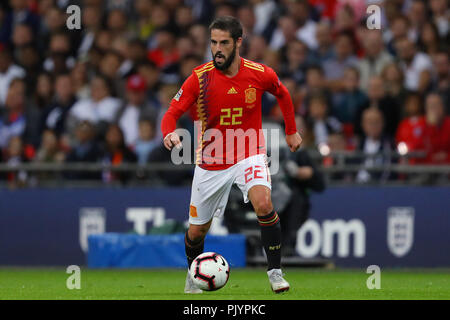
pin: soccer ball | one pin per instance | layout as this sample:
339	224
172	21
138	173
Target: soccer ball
210	271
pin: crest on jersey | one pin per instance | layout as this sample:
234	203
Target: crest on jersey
250	95
400	230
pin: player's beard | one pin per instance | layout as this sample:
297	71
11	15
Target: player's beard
227	62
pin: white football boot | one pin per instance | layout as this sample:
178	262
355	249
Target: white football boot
277	282
190	286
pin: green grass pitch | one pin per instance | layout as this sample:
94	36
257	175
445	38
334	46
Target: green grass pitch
244	284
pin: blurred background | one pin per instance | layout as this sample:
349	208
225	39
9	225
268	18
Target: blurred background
81	148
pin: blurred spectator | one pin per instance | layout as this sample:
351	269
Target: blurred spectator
80	81
284	33
315	84
22	35
440	79
54	20
137	51
135	108
411	129
344	57
116	153
49	150
380	100
351	100
429	133
122	47
103	40
165	53
348	13
225	8
199	34
440	13
416	12
20	14
393	79
117	23
201	10
428	41
91	20
55	114
15	156
334	156
375	59
321	123
29	58
375	146
8	72
185	47
13	120
109	67
187	64
143	10
146	141
324	42
399	29
151	75
35	108
416	65
246	15
257	48
183	18
436	136
305	26
296	62
100	109
85	149
60	57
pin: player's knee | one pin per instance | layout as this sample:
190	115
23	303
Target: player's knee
263	206
197	233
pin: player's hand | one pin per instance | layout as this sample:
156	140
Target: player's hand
294	141
172	139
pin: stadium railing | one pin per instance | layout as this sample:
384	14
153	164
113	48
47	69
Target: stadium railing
336	166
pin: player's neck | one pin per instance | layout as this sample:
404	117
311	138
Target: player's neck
234	67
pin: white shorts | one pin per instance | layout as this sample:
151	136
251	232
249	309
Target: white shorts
211	188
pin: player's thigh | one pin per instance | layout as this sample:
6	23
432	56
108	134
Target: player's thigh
253	178
209	195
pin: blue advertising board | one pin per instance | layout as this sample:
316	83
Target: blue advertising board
354	226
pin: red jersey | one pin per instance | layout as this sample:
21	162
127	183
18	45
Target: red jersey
411	131
228	111
418	135
436	139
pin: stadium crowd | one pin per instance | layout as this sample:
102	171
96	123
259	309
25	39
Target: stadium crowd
98	94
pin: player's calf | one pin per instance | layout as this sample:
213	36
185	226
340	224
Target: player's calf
271	238
193	248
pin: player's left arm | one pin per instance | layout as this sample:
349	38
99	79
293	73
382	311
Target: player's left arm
281	93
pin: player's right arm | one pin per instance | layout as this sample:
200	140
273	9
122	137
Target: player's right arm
183	100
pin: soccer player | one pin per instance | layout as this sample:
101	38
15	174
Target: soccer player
226	96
